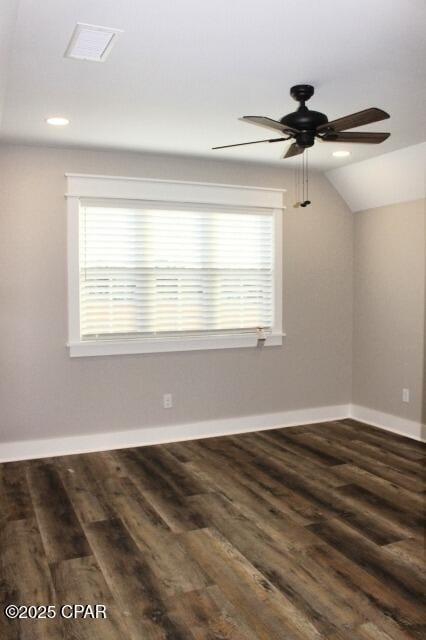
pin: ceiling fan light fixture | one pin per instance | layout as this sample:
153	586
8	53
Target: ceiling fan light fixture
341	154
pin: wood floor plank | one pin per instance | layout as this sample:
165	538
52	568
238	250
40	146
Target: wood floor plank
176	511
256	481
373	527
404	499
256	599
219	511
131	581
25	580
61	532
400	522
326	502
132	466
251	503
176	571
394	460
359	507
163	494
257	484
314	471
374	559
83	490
303	533
81	581
278	561
403	448
289	440
106	464
370	631
376	599
162	464
336	578
208	615
370	463
15	497
387	438
411	552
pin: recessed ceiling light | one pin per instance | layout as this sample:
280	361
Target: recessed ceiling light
58	121
341	154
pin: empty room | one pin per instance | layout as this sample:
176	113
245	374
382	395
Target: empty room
212	319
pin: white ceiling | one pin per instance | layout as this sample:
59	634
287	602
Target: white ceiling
183	72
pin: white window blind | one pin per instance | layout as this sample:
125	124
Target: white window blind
161	270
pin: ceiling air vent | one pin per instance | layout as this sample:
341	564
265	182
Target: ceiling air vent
90	42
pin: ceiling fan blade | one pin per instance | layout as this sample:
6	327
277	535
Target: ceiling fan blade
293	150
355	120
262	121
242	144
368	137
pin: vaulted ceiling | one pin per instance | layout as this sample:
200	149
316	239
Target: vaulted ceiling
184	71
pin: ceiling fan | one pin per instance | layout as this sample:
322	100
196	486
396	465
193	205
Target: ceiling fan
304	125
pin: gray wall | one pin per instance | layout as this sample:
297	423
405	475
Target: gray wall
389	308
44	393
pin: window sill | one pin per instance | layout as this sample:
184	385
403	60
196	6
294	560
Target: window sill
163	345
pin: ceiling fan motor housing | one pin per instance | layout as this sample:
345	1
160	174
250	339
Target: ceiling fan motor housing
305	120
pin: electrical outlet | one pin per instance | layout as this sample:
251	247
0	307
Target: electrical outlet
406	395
167	401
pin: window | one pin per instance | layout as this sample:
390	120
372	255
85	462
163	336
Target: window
160	275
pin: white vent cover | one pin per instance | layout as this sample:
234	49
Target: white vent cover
91	42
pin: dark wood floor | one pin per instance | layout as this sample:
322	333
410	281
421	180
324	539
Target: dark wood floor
306	533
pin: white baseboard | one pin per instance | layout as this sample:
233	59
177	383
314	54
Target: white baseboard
387	421
105	441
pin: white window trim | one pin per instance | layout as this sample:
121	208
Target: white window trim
83	187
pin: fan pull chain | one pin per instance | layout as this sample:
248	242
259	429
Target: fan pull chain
302	182
305	178
297	186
